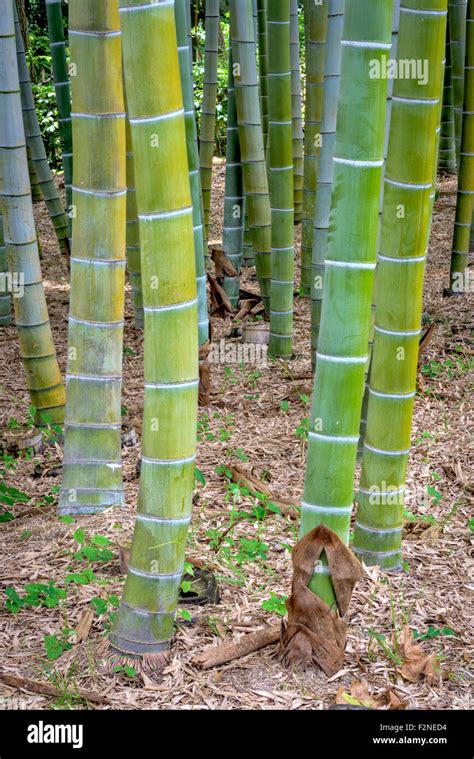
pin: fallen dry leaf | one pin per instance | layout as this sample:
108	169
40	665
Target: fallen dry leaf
84	625
417	662
359	695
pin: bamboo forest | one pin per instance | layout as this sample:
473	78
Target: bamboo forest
236	341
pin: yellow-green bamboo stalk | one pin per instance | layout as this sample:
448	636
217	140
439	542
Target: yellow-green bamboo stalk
185	63
350	264
35	144
251	140
144	623
280	166
332	76
248	254
62	90
233	229
393	56
459	277
315	24
37	351
5	300
133	235
209	103
296	111
457	31
410	170
447	145
92	468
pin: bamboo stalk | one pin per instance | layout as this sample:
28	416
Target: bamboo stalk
62	90
457	29
233	230
251	140
393	56
209	102
133	233
280	167
184	53
411	166
5	300
36	194
447	146
35	145
144	622
459	275
332	76
315	24
296	111
263	65
248	254
350	264
37	351
92	468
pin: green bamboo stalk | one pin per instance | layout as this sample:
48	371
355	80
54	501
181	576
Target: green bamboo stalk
251	140
332	76
296	111
92	468
447	146
5	300
62	90
248	254
184	54
280	167
35	145
459	275
36	195
133	233
350	264
315	24
388	120
209	103
457	29
233	229
263	65
411	164
43	378
144	622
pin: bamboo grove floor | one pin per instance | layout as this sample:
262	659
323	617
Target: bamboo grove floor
246	415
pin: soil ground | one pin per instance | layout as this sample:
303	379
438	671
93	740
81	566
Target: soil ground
246	420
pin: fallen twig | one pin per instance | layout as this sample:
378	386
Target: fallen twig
214	656
33	686
288	506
